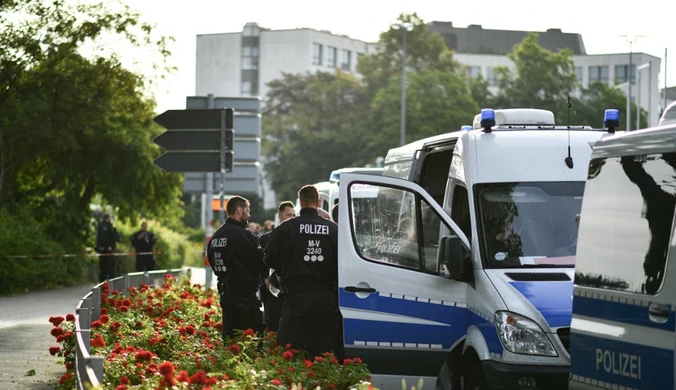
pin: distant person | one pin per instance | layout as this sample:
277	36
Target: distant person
143	242
106	241
268	226
272	305
237	260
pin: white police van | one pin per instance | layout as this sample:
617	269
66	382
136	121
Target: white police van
462	269
623	333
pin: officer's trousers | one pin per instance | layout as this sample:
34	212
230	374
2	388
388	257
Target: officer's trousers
241	312
308	321
107	266
145	263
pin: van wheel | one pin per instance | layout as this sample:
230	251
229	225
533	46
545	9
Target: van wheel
475	379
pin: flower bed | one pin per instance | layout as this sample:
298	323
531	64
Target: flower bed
170	337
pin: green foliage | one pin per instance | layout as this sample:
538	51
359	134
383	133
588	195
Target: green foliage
76	127
590	108
313	124
20	235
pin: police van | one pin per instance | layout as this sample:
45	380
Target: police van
461	270
623	333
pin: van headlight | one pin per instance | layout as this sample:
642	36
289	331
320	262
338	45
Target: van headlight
519	334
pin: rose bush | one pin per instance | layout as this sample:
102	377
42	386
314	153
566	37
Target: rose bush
169	337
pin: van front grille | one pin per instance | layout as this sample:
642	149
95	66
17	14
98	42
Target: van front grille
538	276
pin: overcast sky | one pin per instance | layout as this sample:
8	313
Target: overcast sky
599	23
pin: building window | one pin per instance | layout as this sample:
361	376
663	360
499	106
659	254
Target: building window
599	73
246	88
474	71
491	77
316	54
580	75
621	74
345	59
331	57
249	57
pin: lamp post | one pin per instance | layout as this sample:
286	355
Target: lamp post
405	27
638	95
631	42
626	85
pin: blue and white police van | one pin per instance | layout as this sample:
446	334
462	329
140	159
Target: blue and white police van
458	269
623	332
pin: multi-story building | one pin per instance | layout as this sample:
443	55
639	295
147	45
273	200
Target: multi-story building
481	50
242	63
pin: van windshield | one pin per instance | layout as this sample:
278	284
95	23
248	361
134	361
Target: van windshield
529	225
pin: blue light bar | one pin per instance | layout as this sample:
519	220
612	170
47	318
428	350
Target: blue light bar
487	119
466	128
611	118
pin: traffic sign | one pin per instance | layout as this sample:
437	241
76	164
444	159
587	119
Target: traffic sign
199	140
193	161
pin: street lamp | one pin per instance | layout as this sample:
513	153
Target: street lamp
405	27
638	95
631	42
626	85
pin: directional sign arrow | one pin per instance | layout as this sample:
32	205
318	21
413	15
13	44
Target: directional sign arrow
193	161
187	140
194	119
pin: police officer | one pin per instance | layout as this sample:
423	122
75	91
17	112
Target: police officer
304	252
273	304
237	261
143	241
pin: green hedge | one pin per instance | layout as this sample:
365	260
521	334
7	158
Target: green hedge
20	234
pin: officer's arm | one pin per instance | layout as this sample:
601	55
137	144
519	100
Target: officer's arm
210	253
274	247
253	254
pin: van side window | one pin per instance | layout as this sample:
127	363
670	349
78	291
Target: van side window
385	225
460	210
626	223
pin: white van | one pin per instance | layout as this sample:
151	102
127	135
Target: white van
462	268
623	333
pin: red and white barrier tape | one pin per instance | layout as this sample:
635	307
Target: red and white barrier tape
92	254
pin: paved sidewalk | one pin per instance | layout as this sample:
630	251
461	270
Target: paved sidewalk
25	338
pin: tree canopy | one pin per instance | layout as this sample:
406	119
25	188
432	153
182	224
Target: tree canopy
76	126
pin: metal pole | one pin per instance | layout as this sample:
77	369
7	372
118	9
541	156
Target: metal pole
665	79
403	90
629	72
221	213
650	93
638	99
210	176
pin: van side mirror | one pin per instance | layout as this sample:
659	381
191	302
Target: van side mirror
454	259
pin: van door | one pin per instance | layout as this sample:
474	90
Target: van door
400	316
623	332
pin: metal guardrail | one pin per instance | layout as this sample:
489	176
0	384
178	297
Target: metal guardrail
88	368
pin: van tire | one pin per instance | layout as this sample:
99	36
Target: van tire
475	379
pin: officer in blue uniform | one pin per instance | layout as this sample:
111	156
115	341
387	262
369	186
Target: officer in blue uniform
303	251
237	261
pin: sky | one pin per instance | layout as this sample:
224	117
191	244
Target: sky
599	23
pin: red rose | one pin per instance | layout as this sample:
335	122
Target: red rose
287	355
248	332
276	382
54	350
71	317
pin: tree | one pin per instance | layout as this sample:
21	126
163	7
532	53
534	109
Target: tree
423	51
593	102
543	79
75	126
436	102
312	124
